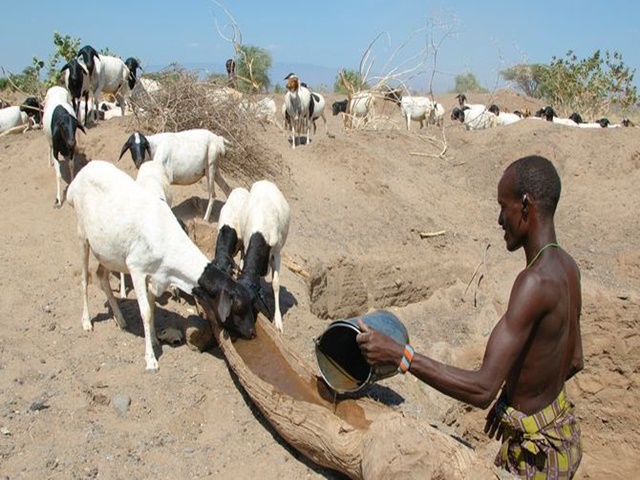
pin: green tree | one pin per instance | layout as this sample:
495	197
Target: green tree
252	67
468	82
353	79
527	77
31	81
591	85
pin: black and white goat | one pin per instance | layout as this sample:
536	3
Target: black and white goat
298	104
129	229
550	115
358	110
418	109
475	118
22	117
101	74
229	240
264	225
133	65
504	118
78	83
187	156
60	125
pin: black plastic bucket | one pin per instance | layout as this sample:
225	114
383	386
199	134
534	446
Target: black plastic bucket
340	361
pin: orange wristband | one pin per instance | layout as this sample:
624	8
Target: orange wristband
407	358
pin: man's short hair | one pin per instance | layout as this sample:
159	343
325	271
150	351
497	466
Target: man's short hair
537	176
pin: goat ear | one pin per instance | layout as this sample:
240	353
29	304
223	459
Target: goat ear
223	307
65	67
125	147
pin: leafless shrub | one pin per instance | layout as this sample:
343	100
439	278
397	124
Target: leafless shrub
184	102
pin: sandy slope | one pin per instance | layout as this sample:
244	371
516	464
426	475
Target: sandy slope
359	201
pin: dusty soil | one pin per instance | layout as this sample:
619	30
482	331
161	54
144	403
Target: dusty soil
359	201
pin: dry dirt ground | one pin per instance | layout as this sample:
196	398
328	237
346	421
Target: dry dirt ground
359	201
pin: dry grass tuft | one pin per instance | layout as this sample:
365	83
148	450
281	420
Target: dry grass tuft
184	102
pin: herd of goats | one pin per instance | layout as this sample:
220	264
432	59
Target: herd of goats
128	225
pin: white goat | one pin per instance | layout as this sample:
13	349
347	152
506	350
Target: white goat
129	229
504	118
106	73
550	115
264	110
187	156
114	79
462	101
153	178
437	115
361	108
79	83
12	117
264	226
229	240
297	100
109	110
416	108
60	125
358	110
475	118
317	110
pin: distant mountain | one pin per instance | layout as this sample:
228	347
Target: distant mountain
316	76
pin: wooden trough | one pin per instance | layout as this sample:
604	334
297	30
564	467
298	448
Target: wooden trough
358	437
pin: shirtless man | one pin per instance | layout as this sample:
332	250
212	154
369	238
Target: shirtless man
533	349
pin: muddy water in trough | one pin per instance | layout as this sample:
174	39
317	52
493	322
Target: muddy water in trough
263	357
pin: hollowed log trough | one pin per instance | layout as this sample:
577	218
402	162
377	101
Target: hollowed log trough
359	437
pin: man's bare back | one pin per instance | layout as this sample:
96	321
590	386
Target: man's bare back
533	349
555	352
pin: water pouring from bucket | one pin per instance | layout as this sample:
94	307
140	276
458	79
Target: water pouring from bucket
342	365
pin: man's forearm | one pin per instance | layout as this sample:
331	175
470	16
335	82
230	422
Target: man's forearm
463	385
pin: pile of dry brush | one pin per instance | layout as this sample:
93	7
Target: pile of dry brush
184	102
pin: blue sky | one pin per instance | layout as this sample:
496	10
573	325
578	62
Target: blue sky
484	36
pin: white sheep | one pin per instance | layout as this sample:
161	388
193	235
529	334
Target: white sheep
264	225
107	74
264	110
462	101
129	229
475	118
79	83
437	115
12	117
187	157
297	101
229	240
357	110
317	110
504	118
60	125
153	178
550	115
114	79
601	123
20	118
418	109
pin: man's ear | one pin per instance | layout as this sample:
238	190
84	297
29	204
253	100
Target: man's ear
525	204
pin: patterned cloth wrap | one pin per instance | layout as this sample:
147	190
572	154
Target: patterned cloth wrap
545	445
